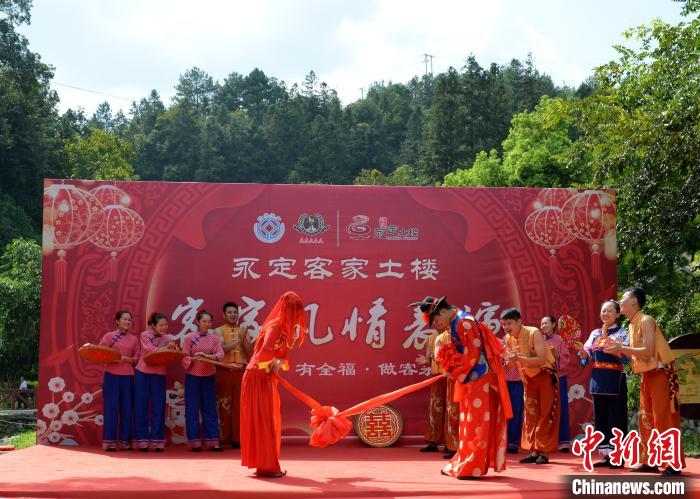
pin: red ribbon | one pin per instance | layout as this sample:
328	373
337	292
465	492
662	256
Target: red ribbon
329	424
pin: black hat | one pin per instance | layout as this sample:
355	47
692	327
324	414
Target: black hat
430	305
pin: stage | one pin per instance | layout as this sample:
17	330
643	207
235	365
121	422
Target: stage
345	470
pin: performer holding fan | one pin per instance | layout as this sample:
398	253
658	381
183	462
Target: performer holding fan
118	385
200	384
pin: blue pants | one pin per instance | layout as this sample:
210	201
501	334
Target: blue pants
200	395
564	413
149	410
610	412
118	401
516	391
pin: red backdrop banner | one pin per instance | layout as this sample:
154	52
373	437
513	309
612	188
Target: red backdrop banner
356	255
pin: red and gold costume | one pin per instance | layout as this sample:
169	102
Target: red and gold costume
659	399
228	385
261	423
473	359
443	416
541	420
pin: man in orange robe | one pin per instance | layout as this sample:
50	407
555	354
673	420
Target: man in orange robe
535	360
473	358
659	399
442	426
261	422
229	382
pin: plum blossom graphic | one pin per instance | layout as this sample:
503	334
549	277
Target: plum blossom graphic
50	410
578	392
56	384
70	418
60	417
40	426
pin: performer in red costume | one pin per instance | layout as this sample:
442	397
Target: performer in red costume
261	424
474	359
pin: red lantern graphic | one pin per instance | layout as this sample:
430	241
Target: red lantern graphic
590	215
553	197
545	227
111	195
120	229
71	217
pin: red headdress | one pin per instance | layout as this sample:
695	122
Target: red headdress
288	313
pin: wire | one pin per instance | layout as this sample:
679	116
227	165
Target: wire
94	91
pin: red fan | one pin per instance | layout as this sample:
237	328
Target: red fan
569	329
162	357
99	353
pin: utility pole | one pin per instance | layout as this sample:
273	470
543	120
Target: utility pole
425	60
362	92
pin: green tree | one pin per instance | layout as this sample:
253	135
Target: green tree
31	144
487	171
20	295
402	175
537	151
101	156
641	135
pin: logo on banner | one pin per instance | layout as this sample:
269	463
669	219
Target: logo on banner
392	232
359	229
312	226
269	228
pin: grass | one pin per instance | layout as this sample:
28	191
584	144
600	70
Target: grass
23	439
691	445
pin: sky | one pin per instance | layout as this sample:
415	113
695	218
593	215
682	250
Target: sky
126	48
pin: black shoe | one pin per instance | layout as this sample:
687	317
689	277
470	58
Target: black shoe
512	450
542	460
565	450
670	472
143	449
235	445
216	449
605	463
645	468
158	449
449	454
196	449
529	459
270	474
111	449
430	448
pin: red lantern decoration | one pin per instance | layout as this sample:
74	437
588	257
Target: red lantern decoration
111	195
553	197
590	216
120	229
71	217
545	227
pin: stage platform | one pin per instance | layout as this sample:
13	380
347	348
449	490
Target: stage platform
345	470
